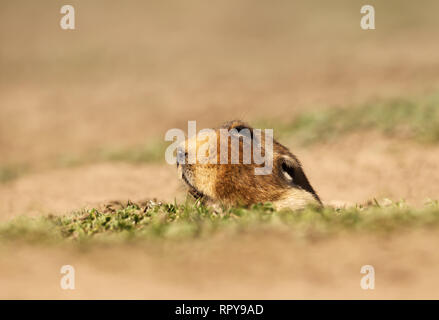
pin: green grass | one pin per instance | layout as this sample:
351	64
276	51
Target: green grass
151	152
133	222
417	120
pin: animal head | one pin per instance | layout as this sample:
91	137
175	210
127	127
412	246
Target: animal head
238	165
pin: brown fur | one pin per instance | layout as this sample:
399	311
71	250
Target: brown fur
236	184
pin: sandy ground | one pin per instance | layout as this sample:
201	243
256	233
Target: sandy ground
128	75
272	266
131	72
65	190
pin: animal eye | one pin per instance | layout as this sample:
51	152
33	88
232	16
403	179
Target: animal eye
181	156
239	128
243	131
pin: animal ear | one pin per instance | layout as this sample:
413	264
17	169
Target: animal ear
292	171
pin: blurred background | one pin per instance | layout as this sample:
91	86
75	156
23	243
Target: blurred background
83	112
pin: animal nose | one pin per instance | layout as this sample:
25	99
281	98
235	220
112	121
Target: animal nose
181	156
